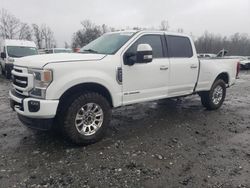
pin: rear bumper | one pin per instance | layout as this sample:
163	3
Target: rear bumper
32	107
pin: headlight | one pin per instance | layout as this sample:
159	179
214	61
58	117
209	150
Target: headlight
42	79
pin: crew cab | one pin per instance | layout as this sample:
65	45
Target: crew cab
74	93
12	50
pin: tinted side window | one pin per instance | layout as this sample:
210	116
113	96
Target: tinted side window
153	40
179	46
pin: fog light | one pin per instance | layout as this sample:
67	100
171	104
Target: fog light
34	106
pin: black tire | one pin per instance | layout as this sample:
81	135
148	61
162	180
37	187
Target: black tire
207	96
1	70
66	118
7	73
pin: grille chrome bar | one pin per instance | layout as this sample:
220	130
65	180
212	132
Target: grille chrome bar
22	80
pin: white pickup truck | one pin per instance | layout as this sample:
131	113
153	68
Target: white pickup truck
76	92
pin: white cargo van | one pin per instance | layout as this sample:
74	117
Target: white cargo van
13	49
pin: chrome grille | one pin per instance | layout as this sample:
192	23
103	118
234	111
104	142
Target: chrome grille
20	81
18	70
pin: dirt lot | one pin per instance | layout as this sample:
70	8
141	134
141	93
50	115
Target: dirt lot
170	143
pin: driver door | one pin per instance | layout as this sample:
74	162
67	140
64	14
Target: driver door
146	81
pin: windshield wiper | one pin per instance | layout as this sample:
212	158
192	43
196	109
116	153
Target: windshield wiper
90	50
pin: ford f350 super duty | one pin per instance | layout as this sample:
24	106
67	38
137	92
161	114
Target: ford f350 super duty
76	92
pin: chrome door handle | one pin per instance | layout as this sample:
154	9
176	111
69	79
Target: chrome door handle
163	68
193	66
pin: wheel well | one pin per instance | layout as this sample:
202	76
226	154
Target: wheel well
94	87
223	76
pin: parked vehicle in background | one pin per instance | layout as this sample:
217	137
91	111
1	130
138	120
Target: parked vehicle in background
11	50
206	55
58	50
245	63
76	50
41	51
222	53
76	92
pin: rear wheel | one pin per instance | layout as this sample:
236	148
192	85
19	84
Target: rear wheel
85	120
214	98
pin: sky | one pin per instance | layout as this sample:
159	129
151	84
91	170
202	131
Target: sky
224	17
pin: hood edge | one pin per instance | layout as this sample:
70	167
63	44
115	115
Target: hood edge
52	62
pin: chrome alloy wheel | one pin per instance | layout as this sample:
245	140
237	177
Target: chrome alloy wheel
217	95
89	119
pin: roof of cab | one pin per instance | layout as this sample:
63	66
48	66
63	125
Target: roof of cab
11	42
152	32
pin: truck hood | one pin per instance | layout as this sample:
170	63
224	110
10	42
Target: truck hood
39	61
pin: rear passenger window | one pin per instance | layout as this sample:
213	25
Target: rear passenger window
153	40
179	46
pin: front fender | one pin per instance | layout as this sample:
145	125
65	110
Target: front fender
62	83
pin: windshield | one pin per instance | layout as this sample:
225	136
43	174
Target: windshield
107	44
21	51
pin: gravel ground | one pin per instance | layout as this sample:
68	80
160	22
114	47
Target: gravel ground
168	143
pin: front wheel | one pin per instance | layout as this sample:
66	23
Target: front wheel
214	98
1	69
7	73
85	120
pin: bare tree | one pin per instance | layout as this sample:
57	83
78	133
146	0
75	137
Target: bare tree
88	33
66	45
105	28
237	44
38	35
180	30
44	36
9	25
87	24
164	25
25	32
12	28
48	36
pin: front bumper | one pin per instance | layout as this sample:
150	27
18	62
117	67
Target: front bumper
32	107
38	124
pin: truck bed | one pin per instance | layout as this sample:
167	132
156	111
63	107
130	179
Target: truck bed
211	68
